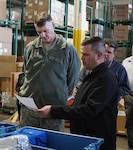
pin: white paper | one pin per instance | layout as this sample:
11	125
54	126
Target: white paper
27	101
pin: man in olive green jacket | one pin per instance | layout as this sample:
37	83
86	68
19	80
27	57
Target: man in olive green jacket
51	68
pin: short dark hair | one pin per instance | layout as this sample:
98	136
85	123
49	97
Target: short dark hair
111	43
97	44
42	18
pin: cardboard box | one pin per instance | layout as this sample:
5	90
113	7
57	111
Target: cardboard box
5	48
5	35
8	65
30	15
97	14
121	54
58	6
8	59
28	39
121	37
97	30
5	84
3	9
121	120
19	69
122	12
95	4
58	18
42	5
122	33
98	9
33	7
122	28
7	68
5	41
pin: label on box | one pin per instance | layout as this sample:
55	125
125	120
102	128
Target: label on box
30	5
35	1
40	3
121	113
30	16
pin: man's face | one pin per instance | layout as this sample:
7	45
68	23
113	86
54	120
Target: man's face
109	55
46	32
89	58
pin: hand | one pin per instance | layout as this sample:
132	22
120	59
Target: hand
45	111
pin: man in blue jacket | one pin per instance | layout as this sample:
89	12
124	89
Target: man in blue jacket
94	110
117	68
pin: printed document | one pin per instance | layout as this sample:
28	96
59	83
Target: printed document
27	101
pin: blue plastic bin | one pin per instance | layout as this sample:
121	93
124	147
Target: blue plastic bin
6	127
64	141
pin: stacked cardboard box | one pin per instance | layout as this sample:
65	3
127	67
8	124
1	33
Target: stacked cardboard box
98	9
70	15
122	33
97	30
7	65
5	84
5	41
122	12
34	7
3	9
57	12
100	30
98	13
28	39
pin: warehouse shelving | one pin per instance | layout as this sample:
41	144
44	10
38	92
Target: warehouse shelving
65	30
13	24
107	24
126	44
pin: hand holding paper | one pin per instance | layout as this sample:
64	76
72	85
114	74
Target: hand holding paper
45	111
